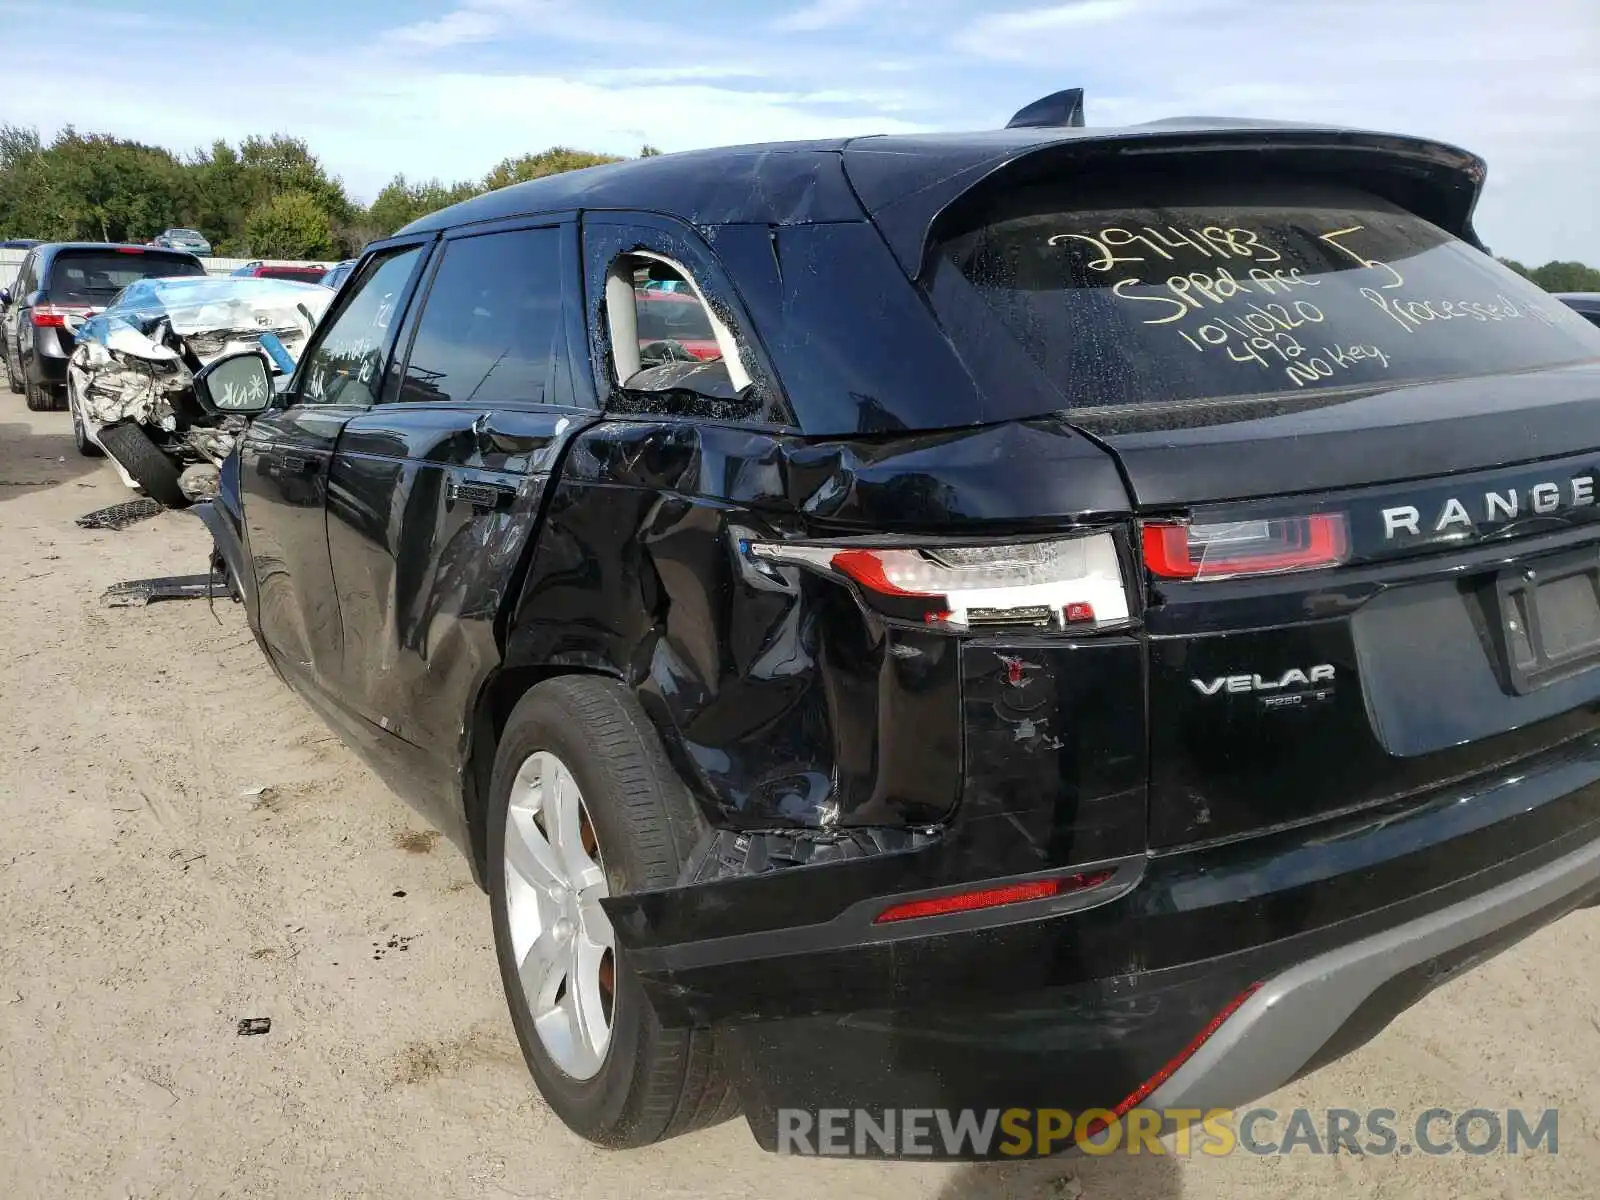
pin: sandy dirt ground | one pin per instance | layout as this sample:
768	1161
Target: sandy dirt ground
147	904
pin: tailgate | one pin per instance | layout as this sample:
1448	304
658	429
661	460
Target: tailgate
1363	454
1423	658
1189	454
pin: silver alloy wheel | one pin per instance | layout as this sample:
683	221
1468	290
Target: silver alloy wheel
561	938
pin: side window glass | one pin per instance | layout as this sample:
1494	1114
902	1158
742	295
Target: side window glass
491	330
665	341
347	365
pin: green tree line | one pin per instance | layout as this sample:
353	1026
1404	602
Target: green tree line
270	197
1559	276
267	197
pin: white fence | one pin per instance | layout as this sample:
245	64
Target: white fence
11	261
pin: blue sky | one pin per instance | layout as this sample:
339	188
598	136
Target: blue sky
447	89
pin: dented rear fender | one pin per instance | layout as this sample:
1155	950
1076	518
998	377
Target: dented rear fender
786	702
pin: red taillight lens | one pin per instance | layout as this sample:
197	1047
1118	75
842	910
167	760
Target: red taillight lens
1011	893
1073	581
1221	550
54	316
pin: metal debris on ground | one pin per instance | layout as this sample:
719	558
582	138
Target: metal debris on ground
254	1026
120	516
138	592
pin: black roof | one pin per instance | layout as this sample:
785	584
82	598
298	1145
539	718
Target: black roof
903	182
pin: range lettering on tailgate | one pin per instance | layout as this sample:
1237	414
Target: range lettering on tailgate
1473	513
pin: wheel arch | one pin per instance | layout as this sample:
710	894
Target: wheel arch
495	701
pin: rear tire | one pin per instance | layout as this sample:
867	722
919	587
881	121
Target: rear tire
651	1081
141	458
36	395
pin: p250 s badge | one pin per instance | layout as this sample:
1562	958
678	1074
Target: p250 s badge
1241	685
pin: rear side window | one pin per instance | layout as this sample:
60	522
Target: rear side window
664	340
491	329
97	275
1198	296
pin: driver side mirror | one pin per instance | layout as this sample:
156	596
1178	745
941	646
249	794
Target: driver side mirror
236	383
5	297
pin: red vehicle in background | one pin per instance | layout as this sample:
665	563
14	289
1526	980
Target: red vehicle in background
296	272
671	320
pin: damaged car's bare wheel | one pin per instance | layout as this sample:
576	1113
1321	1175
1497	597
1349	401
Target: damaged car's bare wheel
144	462
13	380
80	432
560	937
584	805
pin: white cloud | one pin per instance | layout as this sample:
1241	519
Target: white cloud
477	80
463	26
1516	83
1006	34
510	114
822	14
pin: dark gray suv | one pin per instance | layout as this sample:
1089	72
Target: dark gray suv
65	279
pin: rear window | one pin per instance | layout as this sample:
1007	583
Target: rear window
1195	296
298	274
98	275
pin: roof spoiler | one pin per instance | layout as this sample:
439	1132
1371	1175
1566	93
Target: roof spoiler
1056	110
1436	181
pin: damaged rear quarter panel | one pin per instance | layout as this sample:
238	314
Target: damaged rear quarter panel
786	704
782	704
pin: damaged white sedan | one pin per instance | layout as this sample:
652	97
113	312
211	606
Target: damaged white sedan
130	381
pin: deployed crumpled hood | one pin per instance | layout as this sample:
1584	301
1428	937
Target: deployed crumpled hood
143	349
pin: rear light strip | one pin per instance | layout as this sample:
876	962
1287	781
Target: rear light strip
1144	1091
1230	549
1011	893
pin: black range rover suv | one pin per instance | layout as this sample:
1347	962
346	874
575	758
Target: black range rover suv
1042	617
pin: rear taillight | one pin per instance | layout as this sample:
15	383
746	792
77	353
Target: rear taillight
993	897
1227	549
54	316
1065	583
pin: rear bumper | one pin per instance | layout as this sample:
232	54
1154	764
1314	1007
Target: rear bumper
1324	1007
1337	926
